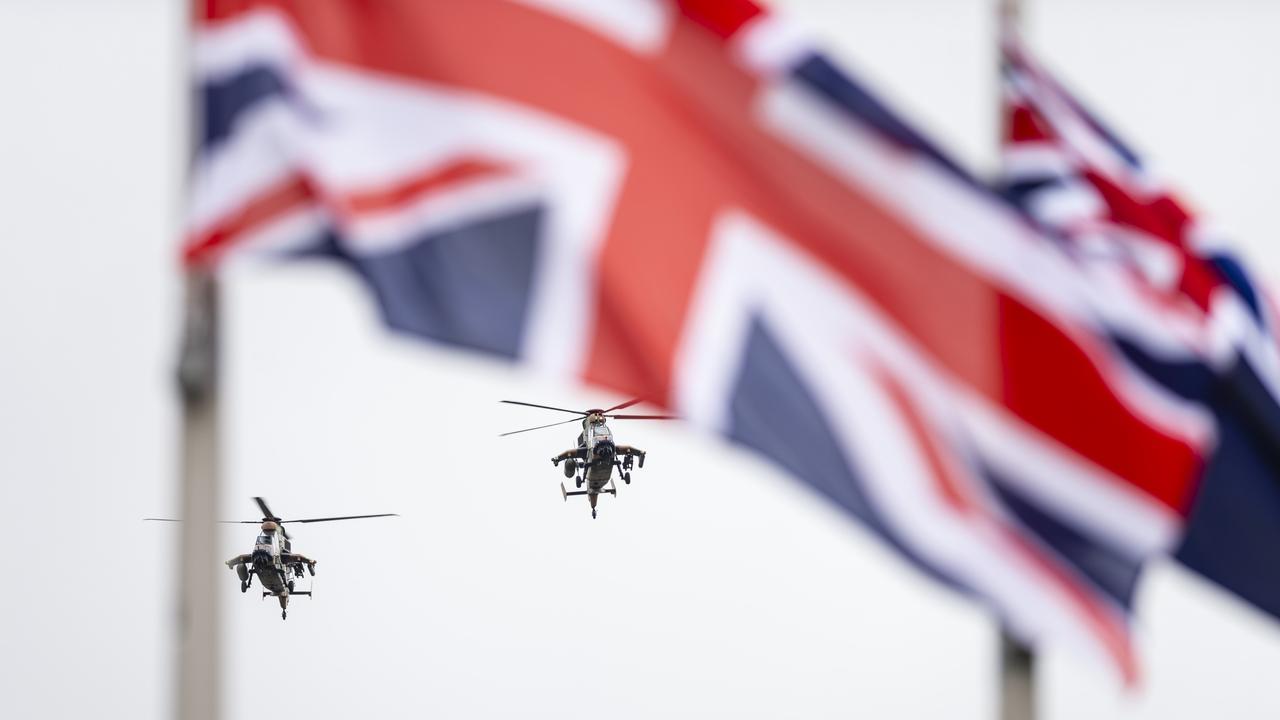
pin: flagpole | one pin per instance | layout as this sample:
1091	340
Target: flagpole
1017	662
1017	679
199	657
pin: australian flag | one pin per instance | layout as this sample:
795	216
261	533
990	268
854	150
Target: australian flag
1121	221
683	200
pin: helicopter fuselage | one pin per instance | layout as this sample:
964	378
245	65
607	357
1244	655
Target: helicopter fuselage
272	561
596	457
598	454
267	562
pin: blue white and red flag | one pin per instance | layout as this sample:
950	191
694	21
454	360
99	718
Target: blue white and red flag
682	200
1123	224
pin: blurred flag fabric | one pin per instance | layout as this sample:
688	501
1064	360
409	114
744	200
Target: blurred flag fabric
1073	174
684	201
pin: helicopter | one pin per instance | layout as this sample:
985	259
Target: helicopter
596	455
273	559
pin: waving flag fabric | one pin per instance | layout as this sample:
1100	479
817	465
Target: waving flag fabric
1074	175
681	200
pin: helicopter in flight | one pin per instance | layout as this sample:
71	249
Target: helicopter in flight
596	455
273	560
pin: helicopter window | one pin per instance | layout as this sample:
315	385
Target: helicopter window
601	432
264	539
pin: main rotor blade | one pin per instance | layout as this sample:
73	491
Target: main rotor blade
262	505
644	417
267	514
225	522
623	406
544	407
562	422
344	517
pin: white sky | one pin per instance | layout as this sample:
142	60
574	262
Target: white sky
712	586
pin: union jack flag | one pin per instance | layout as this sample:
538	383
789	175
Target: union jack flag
682	200
1122	223
1075	175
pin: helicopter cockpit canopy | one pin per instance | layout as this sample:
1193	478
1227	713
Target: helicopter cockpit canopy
599	432
264	539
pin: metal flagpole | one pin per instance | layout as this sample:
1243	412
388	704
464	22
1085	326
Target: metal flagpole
199	657
1017	663
1017	679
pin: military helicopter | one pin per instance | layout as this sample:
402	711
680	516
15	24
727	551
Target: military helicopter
273	559
596	455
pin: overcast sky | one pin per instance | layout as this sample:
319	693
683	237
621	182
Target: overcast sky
712	586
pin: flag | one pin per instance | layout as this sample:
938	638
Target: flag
1075	176
682	200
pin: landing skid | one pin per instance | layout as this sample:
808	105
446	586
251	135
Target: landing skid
567	493
611	490
606	491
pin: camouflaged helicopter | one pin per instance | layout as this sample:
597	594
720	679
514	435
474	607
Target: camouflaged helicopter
593	460
273	560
